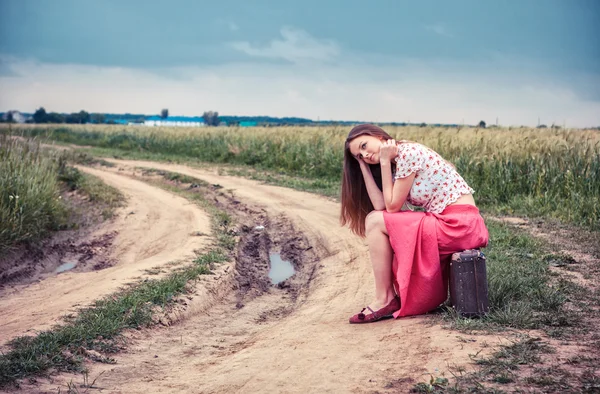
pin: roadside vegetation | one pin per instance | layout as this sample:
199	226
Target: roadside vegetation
31	182
535	172
29	192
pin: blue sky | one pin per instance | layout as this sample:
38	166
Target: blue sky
429	61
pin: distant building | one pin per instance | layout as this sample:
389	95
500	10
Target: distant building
248	123
182	121
16	117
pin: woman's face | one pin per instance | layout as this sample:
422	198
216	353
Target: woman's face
366	147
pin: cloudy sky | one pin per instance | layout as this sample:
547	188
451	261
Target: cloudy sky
427	61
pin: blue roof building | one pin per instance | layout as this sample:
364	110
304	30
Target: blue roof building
183	121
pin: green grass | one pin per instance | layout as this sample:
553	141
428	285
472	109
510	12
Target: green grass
500	368
106	197
522	292
31	181
30	206
500	373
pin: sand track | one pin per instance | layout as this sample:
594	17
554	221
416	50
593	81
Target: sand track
256	348
153	229
312	349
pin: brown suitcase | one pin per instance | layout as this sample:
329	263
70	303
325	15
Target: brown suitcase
468	283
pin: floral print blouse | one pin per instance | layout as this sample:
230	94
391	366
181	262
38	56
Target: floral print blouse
436	184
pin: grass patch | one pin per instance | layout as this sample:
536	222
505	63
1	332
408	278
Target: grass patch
31	181
96	191
174	176
500	373
322	186
325	187
521	293
30	206
500	368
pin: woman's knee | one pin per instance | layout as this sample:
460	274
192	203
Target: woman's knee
374	221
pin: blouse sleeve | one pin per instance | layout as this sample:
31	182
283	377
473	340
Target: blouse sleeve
411	157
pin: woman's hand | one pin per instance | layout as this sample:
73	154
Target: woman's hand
388	151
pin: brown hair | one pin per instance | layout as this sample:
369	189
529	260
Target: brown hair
356	203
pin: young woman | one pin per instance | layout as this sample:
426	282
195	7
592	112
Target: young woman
410	251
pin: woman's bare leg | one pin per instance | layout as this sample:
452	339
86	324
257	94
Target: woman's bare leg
381	254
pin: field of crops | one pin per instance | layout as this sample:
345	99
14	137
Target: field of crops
535	172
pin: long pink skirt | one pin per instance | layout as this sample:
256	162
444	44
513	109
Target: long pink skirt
423	243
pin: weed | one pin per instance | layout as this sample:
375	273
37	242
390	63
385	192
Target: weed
30	204
435	385
30	191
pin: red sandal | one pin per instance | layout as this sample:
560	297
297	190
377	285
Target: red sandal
383	313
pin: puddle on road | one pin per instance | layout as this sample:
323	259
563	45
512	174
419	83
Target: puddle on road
280	269
65	267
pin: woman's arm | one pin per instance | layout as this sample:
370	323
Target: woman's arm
394	194
375	194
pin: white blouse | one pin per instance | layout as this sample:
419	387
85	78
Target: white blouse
436	184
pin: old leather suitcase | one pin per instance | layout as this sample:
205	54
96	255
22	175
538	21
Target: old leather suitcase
468	283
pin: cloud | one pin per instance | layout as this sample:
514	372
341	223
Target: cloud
297	46
7	68
227	23
391	92
440	30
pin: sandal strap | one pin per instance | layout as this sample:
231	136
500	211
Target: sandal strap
372	312
362	316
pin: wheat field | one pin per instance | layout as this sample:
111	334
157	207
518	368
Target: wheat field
550	173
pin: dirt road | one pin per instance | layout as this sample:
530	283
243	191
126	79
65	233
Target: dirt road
312	349
153	229
255	348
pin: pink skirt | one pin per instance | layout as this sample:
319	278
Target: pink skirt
423	243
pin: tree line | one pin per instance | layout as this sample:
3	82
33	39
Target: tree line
81	117
211	118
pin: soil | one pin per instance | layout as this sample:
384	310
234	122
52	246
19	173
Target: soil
236	332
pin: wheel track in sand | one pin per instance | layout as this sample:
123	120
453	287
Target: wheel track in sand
153	229
312	349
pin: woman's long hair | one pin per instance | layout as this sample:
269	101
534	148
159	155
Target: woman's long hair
356	203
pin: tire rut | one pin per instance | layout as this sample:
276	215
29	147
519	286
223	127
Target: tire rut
281	340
